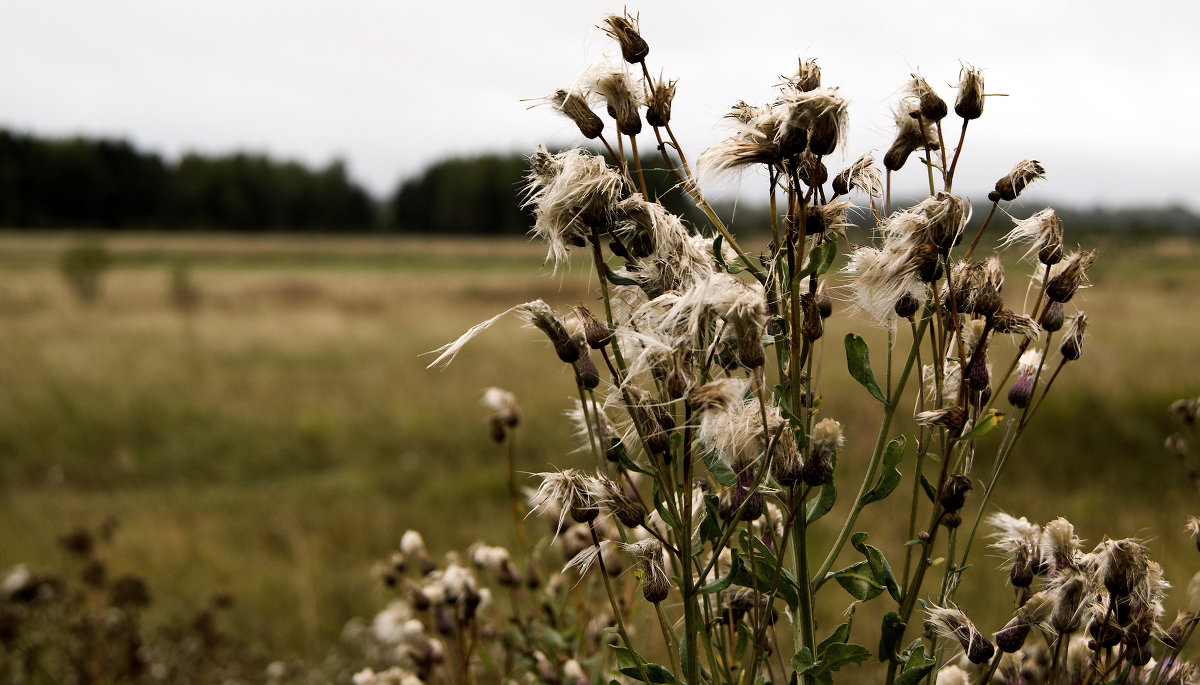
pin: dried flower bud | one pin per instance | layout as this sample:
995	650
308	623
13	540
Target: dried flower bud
1011	184
658	109
969	103
952	419
808	76
575	107
1012	636
586	374
954	624
1052	316
615	89
907	305
1072	344
814	326
750	352
926	261
1073	274
954	492
978	376
595	331
624	30
932	107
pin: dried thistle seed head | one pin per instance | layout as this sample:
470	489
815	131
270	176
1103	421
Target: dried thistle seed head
926	262
503	406
1123	565
735	154
907	305
1052	316
1070	275
1012	636
1070	602
1060	546
951	623
824	302
1011	184
1193	530
969	103
910	136
609	495
595	331
821	115
624	30
931	106
719	395
539	314
658	109
586	373
807	78
1006	321
1071	347
1043	231
574	106
564	492
651	563
954	491
619	91
978	374
863	175
951	418
570	192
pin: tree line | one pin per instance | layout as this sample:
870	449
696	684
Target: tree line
109	184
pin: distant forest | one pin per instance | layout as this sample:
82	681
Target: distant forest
109	184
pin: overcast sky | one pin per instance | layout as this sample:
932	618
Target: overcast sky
1104	93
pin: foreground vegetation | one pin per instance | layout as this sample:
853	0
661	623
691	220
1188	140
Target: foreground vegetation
277	439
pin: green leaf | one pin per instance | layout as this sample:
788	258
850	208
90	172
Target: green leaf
628	661
890	634
819	260
917	667
930	490
710	525
839	654
889	476
782	400
735	567
661	507
881	571
743	641
823	502
766	580
984	425
858	580
802	661
859	362
617	279
721	471
840	634
623	457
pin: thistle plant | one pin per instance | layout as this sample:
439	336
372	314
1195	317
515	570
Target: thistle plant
699	371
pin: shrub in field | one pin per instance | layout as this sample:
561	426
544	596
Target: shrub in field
83	267
716	463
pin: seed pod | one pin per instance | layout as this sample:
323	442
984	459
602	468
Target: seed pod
824	303
1020	392
595	331
954	492
1051	253
989	301
969	103
814	326
656	587
907	305
1062	287
1011	184
951	418
586	373
818	469
952	519
630	512
1104	633
1012	636
926	261
898	153
750	352
978	376
575	108
1052	317
841	182
634	48
932	107
808	77
658	110
1072	344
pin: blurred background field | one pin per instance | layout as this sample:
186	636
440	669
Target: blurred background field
256	413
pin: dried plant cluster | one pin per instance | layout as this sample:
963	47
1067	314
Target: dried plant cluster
700	401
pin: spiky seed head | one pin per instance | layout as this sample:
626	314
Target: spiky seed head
625	30
1123	565
808	76
1011	184
617	89
1072	274
1012	636
658	109
907	305
1006	321
574	106
1103	628
969	103
1052	316
951	418
648	555
1071	347
932	107
951	623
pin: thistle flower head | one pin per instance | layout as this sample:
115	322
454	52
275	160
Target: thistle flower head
931	106
735	154
862	175
945	217
1005	321
969	103
621	94
1060	545
651	563
736	433
624	29
503	409
564	492
817	116
951	418
1021	390
1011	184
571	193
1123	565
953	624
910	135
606	493
881	277
658	107
573	105
1069	275
1071	347
1043	232
807	77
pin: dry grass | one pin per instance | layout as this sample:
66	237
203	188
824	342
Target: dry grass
283	436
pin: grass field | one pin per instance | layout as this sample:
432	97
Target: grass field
278	439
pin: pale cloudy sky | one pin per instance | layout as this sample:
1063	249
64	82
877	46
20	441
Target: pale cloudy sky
1104	93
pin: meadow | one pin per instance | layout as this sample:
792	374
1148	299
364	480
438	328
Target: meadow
275	440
